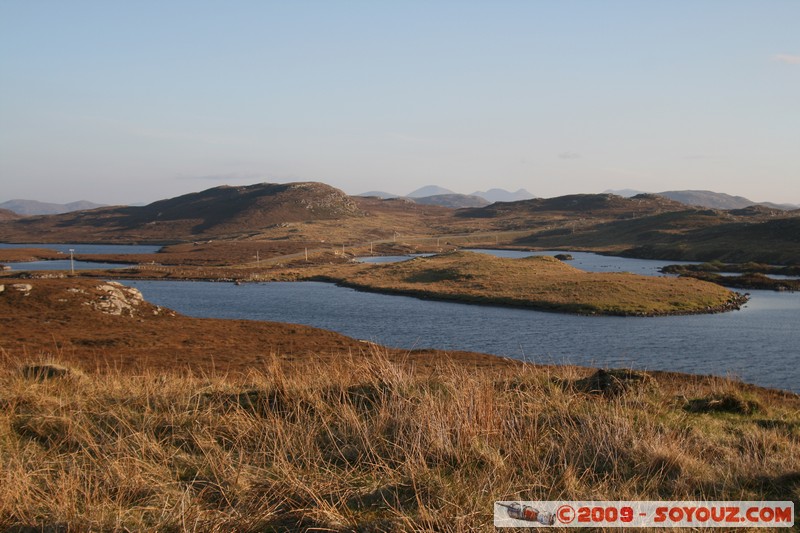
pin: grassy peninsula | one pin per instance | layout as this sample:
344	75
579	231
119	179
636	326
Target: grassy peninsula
539	282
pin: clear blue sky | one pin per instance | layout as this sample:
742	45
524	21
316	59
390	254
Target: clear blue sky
133	101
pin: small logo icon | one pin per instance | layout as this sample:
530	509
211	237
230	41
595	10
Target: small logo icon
527	513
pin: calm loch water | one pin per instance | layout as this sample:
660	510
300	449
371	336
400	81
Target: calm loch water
759	344
64	264
91	248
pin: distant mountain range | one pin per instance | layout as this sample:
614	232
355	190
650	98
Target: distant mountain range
379	194
502	195
710	199
456	201
625	193
429	190
32	207
435	195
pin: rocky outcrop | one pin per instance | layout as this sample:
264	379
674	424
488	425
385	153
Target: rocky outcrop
117	299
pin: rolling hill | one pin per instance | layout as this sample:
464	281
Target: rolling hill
579	206
211	213
690	234
710	199
718	200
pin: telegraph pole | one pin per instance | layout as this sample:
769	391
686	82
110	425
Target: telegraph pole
72	261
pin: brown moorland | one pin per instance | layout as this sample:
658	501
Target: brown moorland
288	218
274	211
690	235
367	440
98	325
15	255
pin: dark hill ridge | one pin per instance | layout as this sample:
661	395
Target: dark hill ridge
718	200
691	235
251	206
773	241
214	212
587	205
710	199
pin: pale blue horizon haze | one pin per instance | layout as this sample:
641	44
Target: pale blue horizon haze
126	102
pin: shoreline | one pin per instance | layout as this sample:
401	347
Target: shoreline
733	305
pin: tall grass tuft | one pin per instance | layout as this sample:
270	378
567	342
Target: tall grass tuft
371	443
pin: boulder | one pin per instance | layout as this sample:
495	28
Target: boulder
613	382
22	287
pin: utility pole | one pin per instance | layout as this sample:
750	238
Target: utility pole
72	261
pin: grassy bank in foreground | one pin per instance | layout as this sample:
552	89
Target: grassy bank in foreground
541	283
154	421
368	444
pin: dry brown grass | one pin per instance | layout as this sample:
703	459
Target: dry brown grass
370	444
538	282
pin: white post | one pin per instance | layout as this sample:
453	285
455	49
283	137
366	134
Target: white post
72	261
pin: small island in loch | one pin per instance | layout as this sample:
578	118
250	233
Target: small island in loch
538	282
